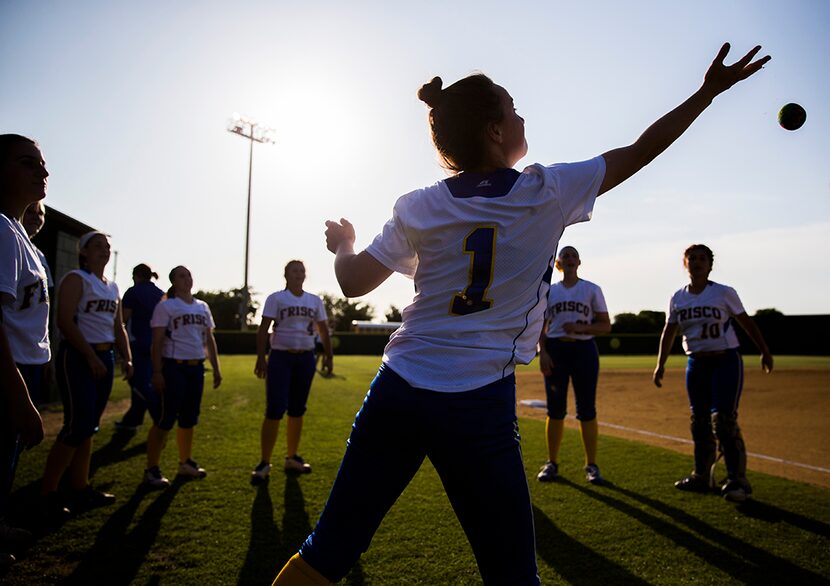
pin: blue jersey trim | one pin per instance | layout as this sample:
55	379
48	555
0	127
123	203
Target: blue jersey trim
468	184
545	279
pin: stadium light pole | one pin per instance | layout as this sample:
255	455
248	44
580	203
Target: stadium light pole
254	132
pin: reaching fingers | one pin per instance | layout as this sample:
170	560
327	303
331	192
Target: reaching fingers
721	55
743	61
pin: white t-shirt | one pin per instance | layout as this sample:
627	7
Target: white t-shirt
573	304
294	318
187	326
24	279
95	314
705	319
482	269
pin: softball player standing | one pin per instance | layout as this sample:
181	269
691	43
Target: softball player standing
138	304
576	313
24	315
89	320
182	329
705	313
479	246
289	369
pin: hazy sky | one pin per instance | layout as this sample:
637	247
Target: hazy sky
130	101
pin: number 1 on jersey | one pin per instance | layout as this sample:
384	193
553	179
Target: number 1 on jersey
480	244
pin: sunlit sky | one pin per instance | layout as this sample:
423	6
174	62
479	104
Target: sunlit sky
130	101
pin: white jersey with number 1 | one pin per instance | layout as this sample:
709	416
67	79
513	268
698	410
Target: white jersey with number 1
705	319
482	266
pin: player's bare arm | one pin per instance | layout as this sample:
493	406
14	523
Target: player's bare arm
545	361
752	330
261	367
622	163
325	339
155	354
122	342
666	341
213	357
600	325
357	274
69	295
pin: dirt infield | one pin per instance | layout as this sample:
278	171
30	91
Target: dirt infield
782	415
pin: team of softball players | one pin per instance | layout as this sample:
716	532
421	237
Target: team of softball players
480	243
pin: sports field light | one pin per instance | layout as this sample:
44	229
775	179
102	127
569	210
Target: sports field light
254	132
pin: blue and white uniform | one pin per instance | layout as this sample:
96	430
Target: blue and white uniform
84	397
25	316
187	326
141	299
714	372
574	356
291	362
479	248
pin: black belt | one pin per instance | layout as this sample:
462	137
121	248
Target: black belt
103	347
191	362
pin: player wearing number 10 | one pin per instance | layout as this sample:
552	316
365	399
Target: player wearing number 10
705	313
479	246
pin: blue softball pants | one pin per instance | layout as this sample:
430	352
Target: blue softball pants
577	361
141	389
472	440
84	397
10	447
288	383
181	400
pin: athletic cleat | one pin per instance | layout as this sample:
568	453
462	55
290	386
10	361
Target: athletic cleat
14	538
736	490
693	483
52	512
549	472
6	560
592	474
261	472
154	478
124	428
191	469
296	464
89	498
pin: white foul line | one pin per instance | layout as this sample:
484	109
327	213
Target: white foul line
687	441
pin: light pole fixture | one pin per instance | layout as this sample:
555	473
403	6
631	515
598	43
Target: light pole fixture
254	132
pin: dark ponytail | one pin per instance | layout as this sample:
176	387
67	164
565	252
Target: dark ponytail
458	118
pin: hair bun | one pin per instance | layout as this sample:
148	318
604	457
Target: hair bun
431	93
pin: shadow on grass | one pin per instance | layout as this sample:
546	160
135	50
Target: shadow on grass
117	554
269	548
113	451
772	514
730	554
575	562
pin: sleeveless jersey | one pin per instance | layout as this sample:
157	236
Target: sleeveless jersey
705	319
482	266
23	277
186	328
95	314
294	319
573	304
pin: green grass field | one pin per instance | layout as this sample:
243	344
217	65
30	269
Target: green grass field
222	530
